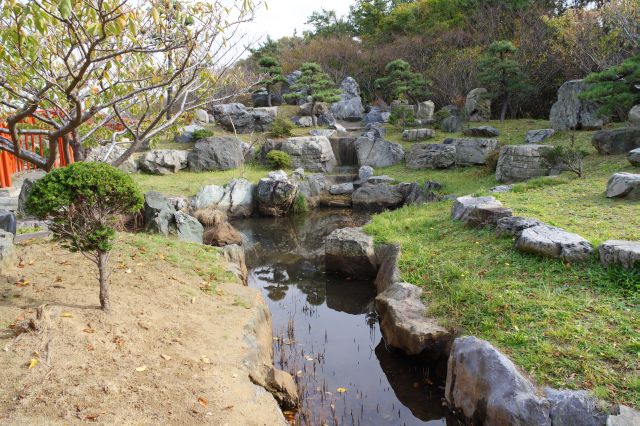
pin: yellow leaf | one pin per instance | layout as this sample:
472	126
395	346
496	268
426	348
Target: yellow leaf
33	363
341	390
67	315
141	369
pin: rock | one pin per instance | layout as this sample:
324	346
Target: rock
537	136
185	134
298	173
163	161
514	225
484	386
323	114
416	194
404	323
376	180
188	228
365	172
572	113
25	190
337	127
237	117
275	197
313	153
549	241
482	132
624	185
201	116
425	110
159	214
569	408
350	252
216	153
377	152
634	157
260	99
302	121
286	87
341	189
278	175
377	115
634	115
235	198
478	105
416	134
327	133
451	124
501	189
464	207
218	231
377	129
377	198
112	154
7	250
616	252
472	151
617	141
484	215
278	383
626	417
8	222
521	162
349	107
428	156
237	264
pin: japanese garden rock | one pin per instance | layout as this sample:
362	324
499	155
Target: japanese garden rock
341	189
163	161
634	115
617	141
302	121
8	222
237	262
202	116
365	172
482	132
451	124
216	153
487	215
218	231
110	154
464	208
377	128
472	151
290	81
377	115
327	133
185	135
188	228
487	388
350	252
378	152
313	153
349	107
538	136
514	225
7	250
624	185
237	117
404	323
431	156
478	105
382	179
275	195
501	189
616	252
549	241
417	134
634	157
260	99
235	198
159	213
626	416
377	198
569	408
572	113
278	383
415	194
425	110
518	163
27	186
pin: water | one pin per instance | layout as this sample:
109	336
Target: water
326	332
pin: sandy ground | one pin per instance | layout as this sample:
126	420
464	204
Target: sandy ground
167	354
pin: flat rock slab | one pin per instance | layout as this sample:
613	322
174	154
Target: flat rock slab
568	408
312	153
617	141
538	136
470	152
514	225
518	163
378	197
350	252
549	241
616	252
482	132
431	156
417	134
470	209
624	185
404	323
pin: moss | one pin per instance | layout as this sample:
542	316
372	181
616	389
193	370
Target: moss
300	205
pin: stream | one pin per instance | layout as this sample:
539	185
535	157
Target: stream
326	332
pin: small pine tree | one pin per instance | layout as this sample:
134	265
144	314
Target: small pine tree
616	89
500	73
400	82
273	72
314	83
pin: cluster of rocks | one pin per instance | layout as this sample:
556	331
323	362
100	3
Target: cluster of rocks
452	152
238	118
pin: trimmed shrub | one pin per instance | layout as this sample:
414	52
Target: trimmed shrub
281	128
202	134
279	160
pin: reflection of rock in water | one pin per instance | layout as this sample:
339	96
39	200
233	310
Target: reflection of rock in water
403	374
352	297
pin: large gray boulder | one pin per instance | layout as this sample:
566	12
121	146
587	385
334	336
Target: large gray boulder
159	213
617	141
634	157
8	222
350	252
404	323
109	154
518	163
538	136
216	153
260	99
484	386
291	79
624	253
377	152
365	172
7	250
349	107
482	132
275	195
377	115
626	416
188	228
417	134
25	190
478	105
236	117
572	113
514	225
431	156
163	161
235	199
634	115
624	185
377	198
425	110
479	211
549	241
470	152
312	153
572	408
451	124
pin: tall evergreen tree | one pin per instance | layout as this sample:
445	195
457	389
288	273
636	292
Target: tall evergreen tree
314	82
401	82
501	75
273	72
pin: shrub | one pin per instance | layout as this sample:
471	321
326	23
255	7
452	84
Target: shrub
279	160
83	201
569	158
281	127
202	134
403	115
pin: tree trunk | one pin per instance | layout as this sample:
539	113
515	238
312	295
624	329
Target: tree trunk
269	99
505	106
79	153
103	268
314	120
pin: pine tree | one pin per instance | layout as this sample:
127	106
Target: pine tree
401	82
316	84
500	73
273	71
616	89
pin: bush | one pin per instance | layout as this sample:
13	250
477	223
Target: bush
202	134
402	116
569	158
83	201
279	160
281	127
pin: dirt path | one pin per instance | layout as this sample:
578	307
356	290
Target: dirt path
168	354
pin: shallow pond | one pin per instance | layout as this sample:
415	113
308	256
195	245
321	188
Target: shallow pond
326	333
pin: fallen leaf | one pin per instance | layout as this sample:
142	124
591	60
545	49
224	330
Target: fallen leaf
67	315
165	357
193	300
128	271
89	330
141	369
202	401
341	390
33	363
23	282
205	360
